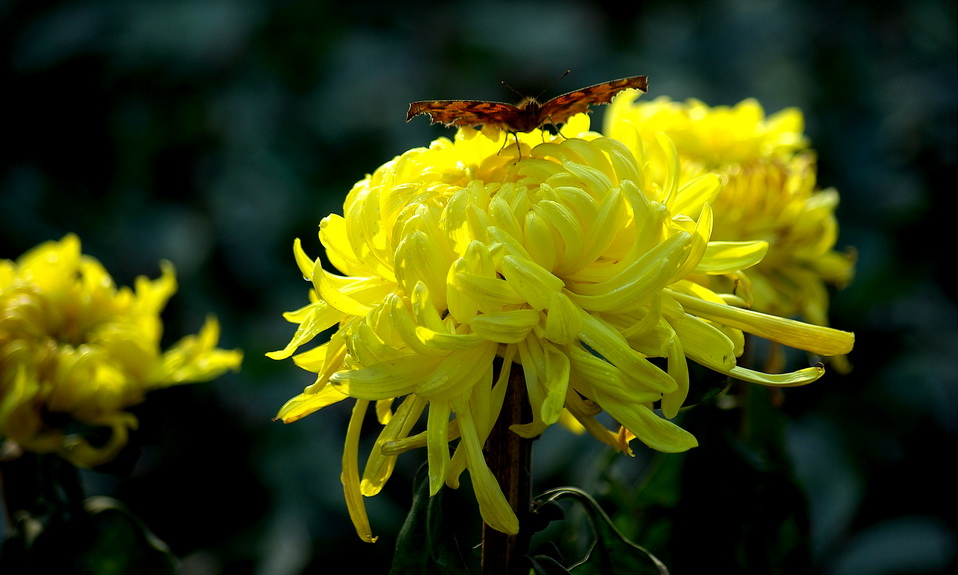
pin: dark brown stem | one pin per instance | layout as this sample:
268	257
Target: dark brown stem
510	458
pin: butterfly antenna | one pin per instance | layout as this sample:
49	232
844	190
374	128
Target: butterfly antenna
553	83
517	92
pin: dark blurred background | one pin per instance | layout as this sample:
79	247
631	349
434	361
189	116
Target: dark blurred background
213	132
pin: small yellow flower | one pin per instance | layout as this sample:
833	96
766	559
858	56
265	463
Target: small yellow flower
571	263
769	194
76	351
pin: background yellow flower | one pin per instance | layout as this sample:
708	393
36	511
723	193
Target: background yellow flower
769	193
76	351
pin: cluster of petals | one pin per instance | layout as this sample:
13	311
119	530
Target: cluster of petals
572	257
76	352
769	193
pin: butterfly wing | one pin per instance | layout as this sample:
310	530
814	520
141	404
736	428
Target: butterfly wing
465	112
559	109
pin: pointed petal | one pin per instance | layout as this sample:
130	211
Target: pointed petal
350	474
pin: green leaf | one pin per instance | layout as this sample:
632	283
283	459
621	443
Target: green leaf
123	544
102	538
546	565
611	553
427	543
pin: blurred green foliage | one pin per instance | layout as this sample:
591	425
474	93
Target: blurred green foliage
213	132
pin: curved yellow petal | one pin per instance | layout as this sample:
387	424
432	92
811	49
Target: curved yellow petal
505	326
493	506
815	339
392	378
730	257
379	465
658	433
307	403
647	274
790	379
350	474
437	443
608	343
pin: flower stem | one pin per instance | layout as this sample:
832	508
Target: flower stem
510	458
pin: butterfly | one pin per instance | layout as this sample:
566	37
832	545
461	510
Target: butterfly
528	114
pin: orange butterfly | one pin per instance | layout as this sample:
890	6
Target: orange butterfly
528	114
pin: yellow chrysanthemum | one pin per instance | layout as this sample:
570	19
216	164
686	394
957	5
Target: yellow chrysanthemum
769	194
571	262
76	351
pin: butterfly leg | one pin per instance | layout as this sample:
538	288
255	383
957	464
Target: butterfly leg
506	141
554	125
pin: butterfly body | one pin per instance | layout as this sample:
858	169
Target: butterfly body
528	114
